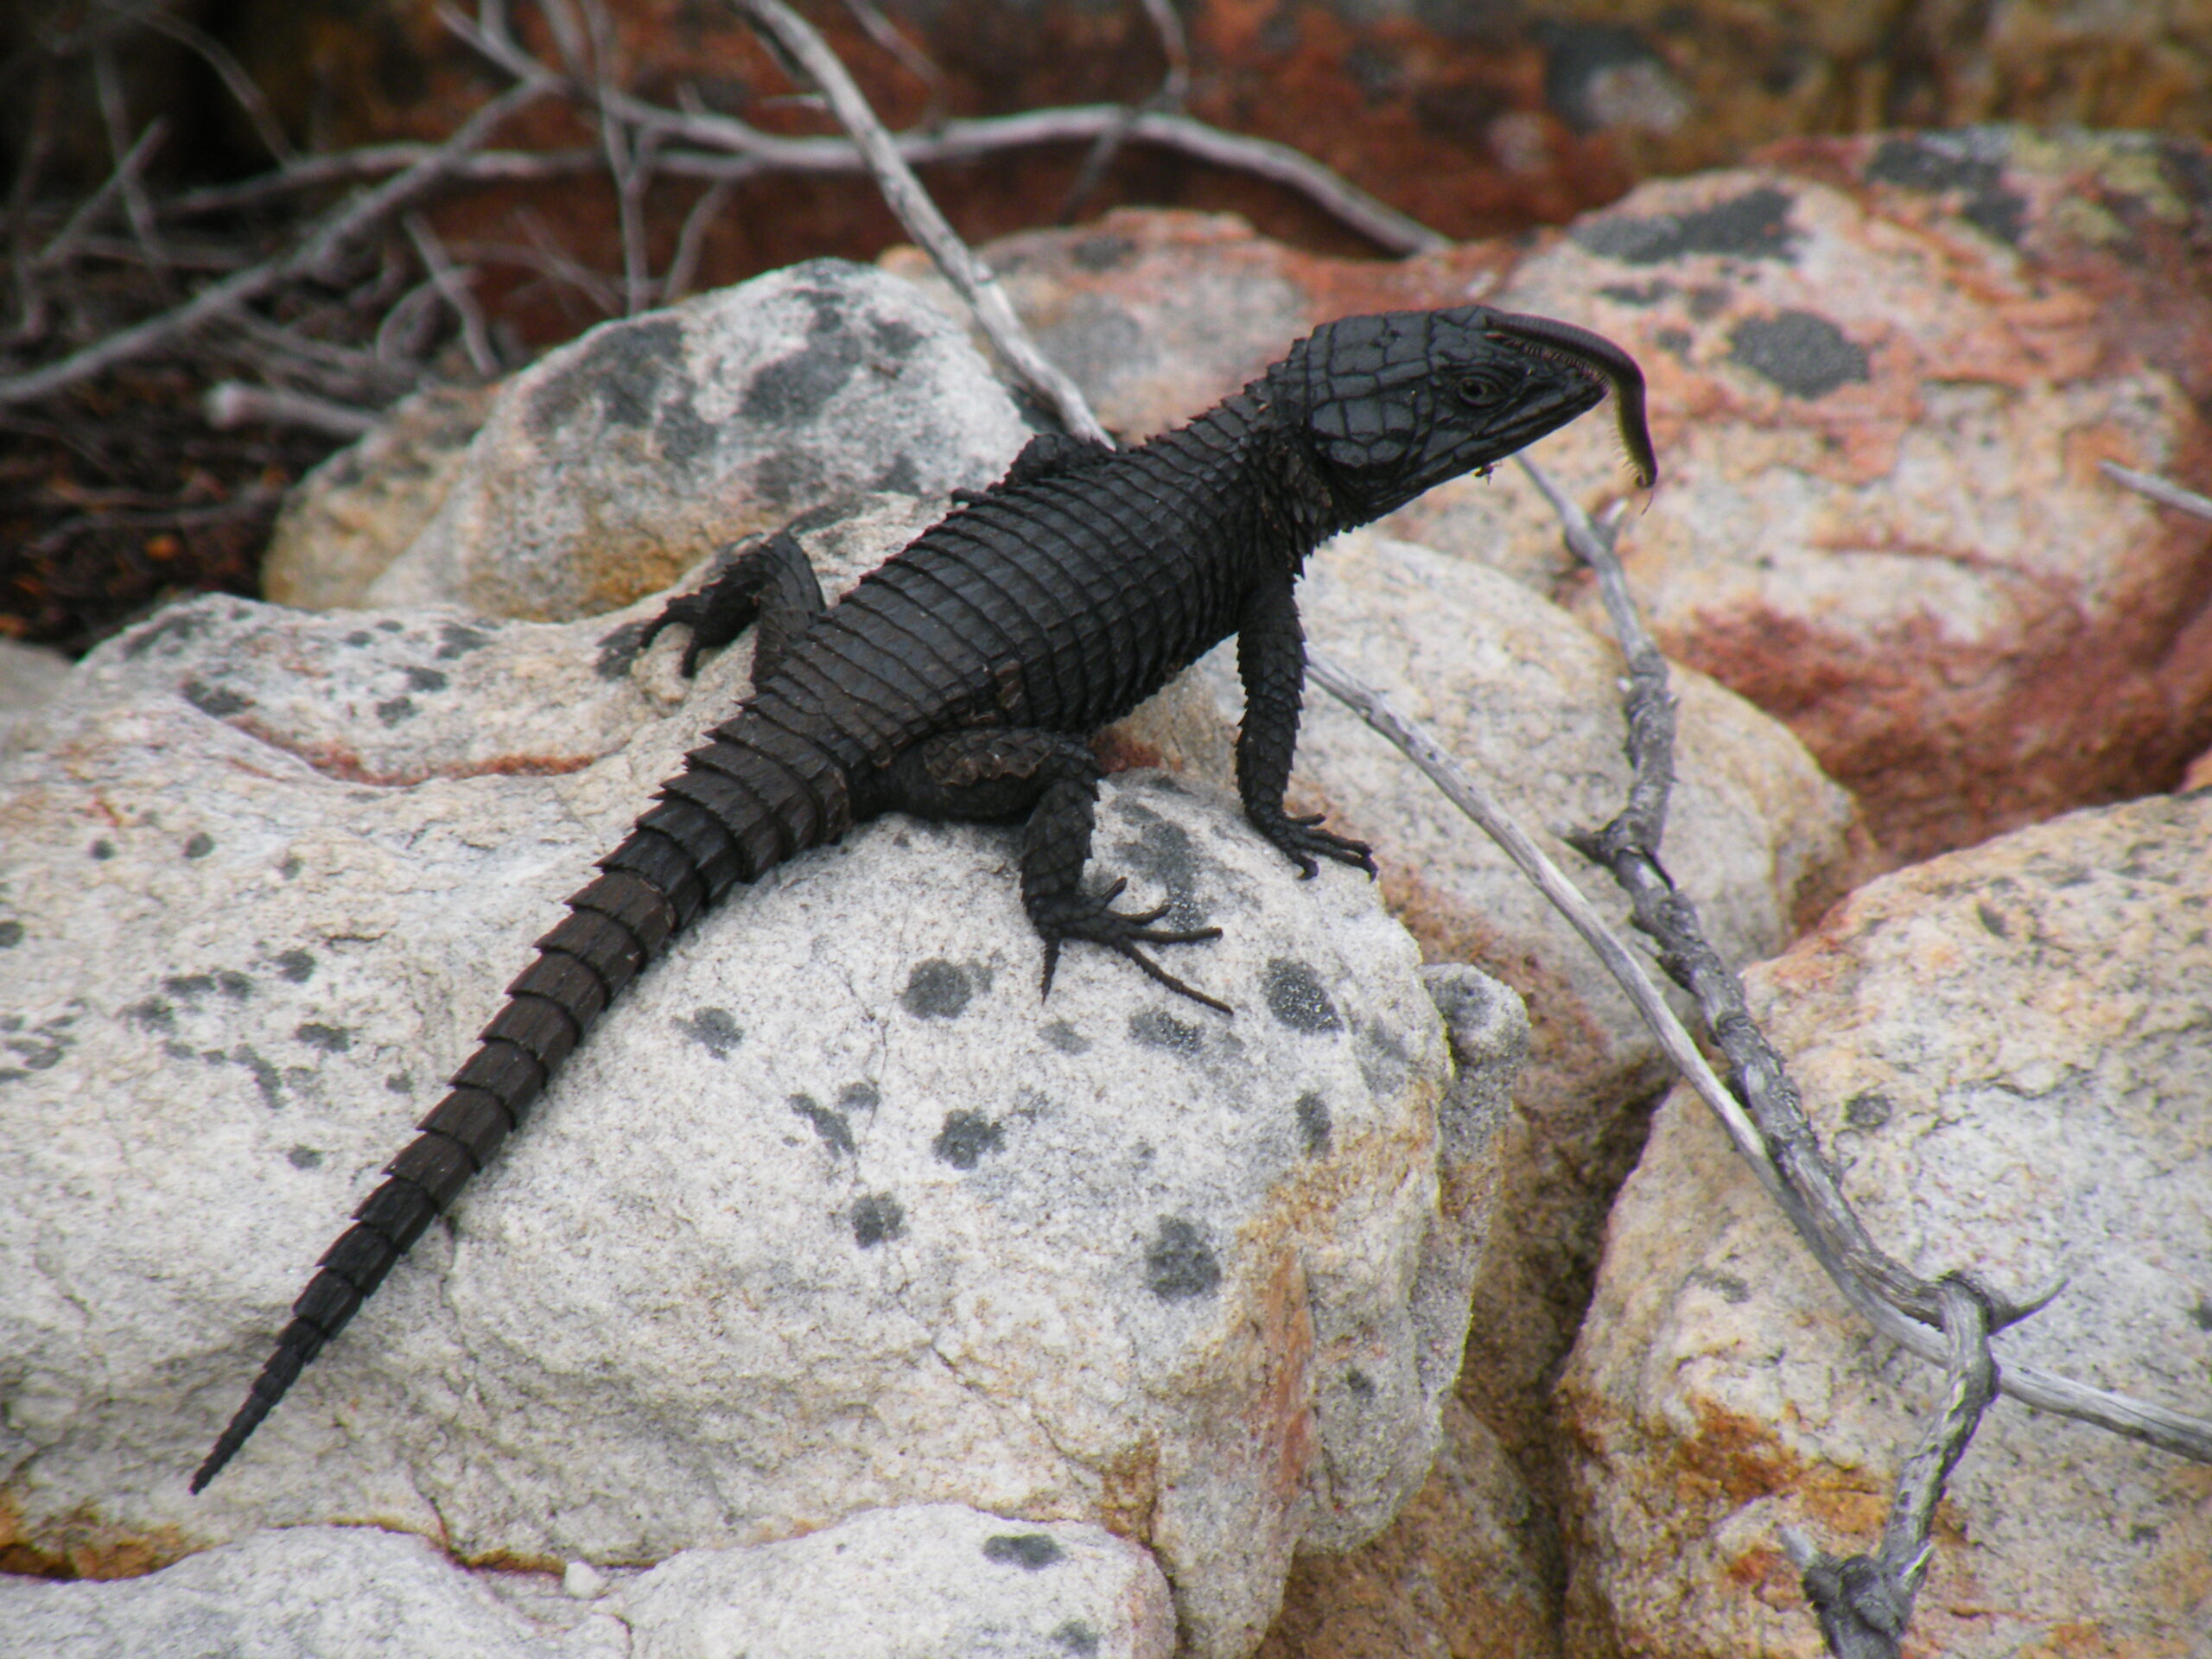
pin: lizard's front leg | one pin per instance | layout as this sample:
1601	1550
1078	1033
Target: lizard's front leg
994	773
1271	660
771	582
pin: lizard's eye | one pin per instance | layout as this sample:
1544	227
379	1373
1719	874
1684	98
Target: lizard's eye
1481	390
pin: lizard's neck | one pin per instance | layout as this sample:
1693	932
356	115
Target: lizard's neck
1270	499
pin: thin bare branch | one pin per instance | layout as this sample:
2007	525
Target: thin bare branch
172	257
314	257
71	237
453	286
236	82
373	161
342	373
915	61
30	299
1174	87
138	208
1903	1304
1102	155
1650	706
967	273
1168	24
545	256
958	141
1864	1602
2159	489
232	403
631	183
568	38
405	332
629	156
690	242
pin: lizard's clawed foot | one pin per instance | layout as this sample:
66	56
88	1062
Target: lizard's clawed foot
1083	916
711	625
1301	841
717	613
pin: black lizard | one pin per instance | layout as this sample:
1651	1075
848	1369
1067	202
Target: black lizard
961	679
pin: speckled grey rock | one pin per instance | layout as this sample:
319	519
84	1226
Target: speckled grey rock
613	465
935	1581
831	1214
2006	1052
932	1582
344	523
302	1593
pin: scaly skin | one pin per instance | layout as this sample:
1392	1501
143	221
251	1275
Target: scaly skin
961	679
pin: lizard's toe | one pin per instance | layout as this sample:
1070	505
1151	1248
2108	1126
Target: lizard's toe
1303	842
1093	918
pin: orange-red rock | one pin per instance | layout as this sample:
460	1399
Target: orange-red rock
1463	1571
1883	373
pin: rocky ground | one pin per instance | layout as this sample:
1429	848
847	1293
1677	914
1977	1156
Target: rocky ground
1122	1331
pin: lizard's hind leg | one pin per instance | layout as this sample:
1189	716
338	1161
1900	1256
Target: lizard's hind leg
771	582
995	773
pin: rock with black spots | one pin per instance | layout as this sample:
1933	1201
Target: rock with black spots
831	1213
934	1581
612	465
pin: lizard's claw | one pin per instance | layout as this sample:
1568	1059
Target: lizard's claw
1083	916
719	611
710	623
1301	840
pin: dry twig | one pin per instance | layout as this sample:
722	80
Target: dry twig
954	141
317	258
911	57
452	283
1864	1603
629	153
311	173
2159	489
1174	87
282	353
1776	1136
684	264
233	404
30	300
137	206
967	273
236	82
65	243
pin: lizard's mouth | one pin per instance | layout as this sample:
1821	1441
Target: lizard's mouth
1600	357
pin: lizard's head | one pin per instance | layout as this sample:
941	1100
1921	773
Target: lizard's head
1392	404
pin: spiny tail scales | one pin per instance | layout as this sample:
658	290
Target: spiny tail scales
748	799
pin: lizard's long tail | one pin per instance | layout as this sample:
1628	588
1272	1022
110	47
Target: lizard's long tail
751	797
